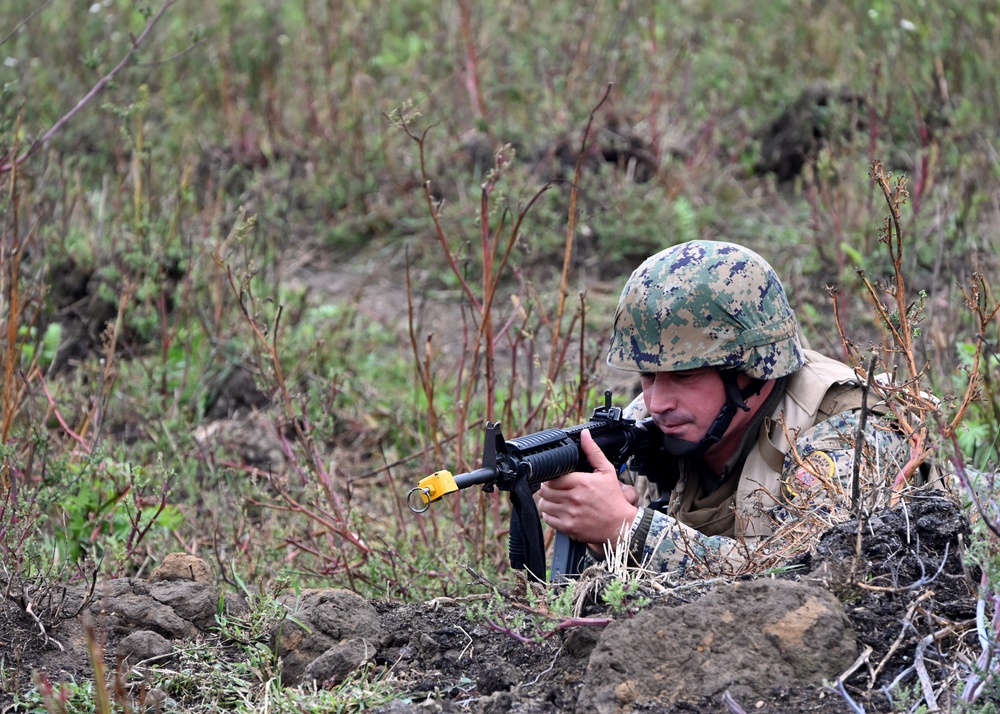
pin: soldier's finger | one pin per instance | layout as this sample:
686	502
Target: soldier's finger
596	457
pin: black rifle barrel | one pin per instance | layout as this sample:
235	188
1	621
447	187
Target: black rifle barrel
473	478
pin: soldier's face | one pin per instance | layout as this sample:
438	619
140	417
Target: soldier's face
684	404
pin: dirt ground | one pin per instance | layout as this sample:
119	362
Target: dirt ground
909	599
476	669
917	603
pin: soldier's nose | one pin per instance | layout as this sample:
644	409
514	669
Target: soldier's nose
661	396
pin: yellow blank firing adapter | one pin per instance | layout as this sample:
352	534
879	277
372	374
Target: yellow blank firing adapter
430	489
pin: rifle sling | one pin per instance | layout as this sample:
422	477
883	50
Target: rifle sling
524	521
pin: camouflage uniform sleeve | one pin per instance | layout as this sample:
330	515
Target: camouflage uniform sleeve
819	468
670	546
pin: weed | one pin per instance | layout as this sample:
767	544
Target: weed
624	596
107	511
184	185
365	689
532	622
65	698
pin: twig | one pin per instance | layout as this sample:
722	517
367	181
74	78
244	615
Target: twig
903	674
62	422
464	649
471	63
480	578
94	91
570	230
894	198
41	627
862	658
921	582
400	461
926	685
859	440
25	21
907	621
545	671
985	667
842	691
731	704
435	603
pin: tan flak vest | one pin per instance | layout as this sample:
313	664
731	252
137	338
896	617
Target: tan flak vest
821	388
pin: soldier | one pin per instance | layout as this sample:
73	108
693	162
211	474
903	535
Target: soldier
763	431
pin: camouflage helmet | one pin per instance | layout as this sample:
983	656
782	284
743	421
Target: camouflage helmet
705	304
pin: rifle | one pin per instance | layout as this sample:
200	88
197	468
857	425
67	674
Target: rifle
521	465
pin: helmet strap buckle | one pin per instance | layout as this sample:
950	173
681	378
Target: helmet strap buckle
736	398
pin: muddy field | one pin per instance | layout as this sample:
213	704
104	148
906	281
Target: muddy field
901	615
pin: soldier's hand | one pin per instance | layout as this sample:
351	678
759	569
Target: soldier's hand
589	507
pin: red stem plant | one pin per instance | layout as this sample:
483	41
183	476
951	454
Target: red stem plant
982	491
346	549
12	386
471	70
13	309
916	412
892	375
499	232
24	459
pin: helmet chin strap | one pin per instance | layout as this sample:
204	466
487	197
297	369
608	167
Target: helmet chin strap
736	398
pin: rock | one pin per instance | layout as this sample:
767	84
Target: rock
154	700
196	602
333	666
143	645
124	606
181	566
581	641
174	609
330	618
501	678
746	638
251	438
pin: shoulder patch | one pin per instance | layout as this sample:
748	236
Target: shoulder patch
810	477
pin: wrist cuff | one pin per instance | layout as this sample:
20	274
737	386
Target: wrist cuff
640	529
